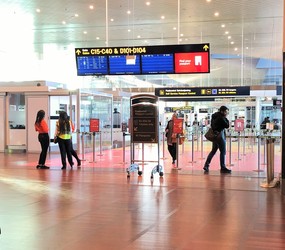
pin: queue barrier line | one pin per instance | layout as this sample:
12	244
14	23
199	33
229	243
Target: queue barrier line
269	152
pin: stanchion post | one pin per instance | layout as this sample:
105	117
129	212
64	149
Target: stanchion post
270	160
94	146
197	136
143	153
238	146
83	148
244	138
258	155
100	143
192	149
183	146
177	152
163	145
202	144
230	150
124	148
264	151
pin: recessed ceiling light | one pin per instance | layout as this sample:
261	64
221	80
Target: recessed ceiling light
226	32
174	28
76	15
38	10
223	25
229	37
112	19
236	49
63	22
247	48
180	39
232	42
129	12
145	41
85	32
147	3
208	1
91	7
217	14
138	36
97	38
162	17
129	30
181	34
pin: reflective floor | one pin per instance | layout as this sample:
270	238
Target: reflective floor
97	207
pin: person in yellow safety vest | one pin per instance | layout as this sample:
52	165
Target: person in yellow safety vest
63	136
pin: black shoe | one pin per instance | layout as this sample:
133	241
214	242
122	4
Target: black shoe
44	167
64	167
78	163
38	166
173	162
206	169
225	171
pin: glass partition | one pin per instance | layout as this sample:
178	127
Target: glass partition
99	107
125	109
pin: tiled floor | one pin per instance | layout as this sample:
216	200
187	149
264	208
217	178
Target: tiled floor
97	207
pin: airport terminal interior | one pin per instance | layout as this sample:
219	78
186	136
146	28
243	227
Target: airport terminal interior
120	70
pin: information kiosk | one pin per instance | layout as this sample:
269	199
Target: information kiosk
144	128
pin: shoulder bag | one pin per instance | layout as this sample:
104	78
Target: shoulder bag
212	135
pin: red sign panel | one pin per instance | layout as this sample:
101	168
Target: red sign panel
178	126
239	125
94	125
192	62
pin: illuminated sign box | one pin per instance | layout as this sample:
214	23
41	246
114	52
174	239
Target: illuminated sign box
206	92
166	59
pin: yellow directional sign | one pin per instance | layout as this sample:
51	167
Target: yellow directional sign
78	52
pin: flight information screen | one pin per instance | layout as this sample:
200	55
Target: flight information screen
166	59
157	64
124	65
92	65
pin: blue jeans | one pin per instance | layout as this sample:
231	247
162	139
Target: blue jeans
221	145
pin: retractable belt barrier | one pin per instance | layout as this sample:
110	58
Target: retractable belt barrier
83	144
269	143
268	153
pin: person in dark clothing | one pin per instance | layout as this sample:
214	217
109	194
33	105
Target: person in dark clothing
171	142
263	124
42	128
219	122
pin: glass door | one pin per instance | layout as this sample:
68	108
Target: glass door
16	139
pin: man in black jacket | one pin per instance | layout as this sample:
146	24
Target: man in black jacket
218	123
